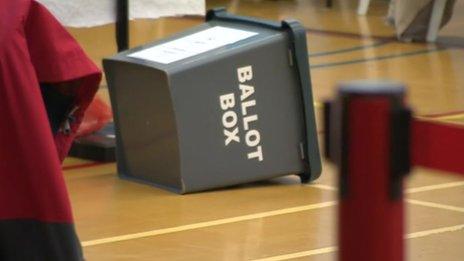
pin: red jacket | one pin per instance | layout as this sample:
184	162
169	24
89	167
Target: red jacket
38	56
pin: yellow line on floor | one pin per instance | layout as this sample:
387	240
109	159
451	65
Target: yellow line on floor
434	205
207	224
436	231
332	249
450	117
407	191
413	201
324	187
442	119
435	187
313	252
257	216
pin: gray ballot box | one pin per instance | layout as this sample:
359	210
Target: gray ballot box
224	103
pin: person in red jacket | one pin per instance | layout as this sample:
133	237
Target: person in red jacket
46	84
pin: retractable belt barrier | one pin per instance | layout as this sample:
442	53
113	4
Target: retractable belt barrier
438	146
374	141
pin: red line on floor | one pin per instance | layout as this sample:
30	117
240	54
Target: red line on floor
84	165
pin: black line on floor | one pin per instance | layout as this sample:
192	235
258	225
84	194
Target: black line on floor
351	49
379	58
351	35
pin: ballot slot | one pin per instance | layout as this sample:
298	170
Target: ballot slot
194	44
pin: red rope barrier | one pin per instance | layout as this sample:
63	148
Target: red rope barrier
438	146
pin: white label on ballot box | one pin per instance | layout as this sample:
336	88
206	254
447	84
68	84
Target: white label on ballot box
193	44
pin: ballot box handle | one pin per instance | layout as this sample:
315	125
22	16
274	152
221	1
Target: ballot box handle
299	51
221	13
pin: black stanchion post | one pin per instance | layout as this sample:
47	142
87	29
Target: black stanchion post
122	25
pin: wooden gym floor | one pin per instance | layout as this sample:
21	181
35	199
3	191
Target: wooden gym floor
281	219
